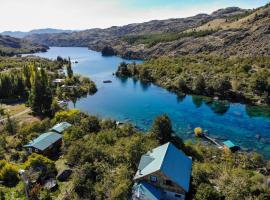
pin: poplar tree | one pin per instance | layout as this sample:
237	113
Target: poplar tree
69	69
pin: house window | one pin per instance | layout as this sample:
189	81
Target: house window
36	150
153	179
168	182
178	195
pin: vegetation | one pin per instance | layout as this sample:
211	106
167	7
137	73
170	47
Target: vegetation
105	157
10	46
153	39
235	79
32	80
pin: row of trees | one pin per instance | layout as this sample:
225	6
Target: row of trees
30	83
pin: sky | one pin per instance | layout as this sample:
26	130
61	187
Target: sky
25	15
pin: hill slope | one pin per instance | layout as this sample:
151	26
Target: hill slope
10	46
230	31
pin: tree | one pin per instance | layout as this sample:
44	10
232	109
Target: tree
8	173
123	70
10	126
222	86
182	85
162	128
90	124
199	85
260	82
40	98
69	69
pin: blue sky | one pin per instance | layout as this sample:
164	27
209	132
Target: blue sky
25	15
145	4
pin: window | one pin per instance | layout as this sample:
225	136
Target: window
153	179
168	182
178	195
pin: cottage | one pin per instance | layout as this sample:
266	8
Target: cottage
229	145
46	144
61	127
163	173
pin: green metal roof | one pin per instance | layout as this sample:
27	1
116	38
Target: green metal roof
172	162
229	144
61	127
44	140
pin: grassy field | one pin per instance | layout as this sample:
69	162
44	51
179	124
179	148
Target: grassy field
20	112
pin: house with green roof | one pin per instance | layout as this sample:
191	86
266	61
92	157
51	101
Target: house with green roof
60	127
46	144
163	173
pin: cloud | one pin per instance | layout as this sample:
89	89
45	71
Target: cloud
84	14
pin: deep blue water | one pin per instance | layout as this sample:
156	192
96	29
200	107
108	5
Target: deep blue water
131	100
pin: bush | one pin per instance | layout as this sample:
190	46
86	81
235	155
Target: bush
8	174
40	163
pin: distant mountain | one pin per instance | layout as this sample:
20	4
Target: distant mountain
93	36
20	34
10	46
230	31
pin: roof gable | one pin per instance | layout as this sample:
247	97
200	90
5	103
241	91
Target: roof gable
169	160
44	140
177	167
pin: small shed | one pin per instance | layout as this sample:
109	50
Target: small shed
229	145
61	127
64	175
45	144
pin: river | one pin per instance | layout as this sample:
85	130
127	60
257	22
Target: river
133	101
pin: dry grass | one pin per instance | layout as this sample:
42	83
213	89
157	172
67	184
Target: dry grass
13	109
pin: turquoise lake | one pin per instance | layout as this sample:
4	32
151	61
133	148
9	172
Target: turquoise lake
138	103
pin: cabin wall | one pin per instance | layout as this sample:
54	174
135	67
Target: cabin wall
162	182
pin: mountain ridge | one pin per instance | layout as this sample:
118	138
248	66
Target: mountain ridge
22	34
231	32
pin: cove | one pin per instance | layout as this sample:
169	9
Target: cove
139	103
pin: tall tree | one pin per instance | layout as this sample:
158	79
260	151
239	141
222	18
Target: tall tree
69	69
162	128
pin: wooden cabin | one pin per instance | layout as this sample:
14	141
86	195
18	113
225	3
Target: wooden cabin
46	144
163	173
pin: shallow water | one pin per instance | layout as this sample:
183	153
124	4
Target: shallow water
131	100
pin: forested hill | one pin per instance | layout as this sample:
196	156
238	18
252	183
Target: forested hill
10	46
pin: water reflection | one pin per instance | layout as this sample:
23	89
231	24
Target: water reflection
197	101
219	107
258	111
181	97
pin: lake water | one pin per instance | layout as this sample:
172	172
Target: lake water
131	100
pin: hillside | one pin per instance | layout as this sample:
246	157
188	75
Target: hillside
245	34
22	34
10	46
117	37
